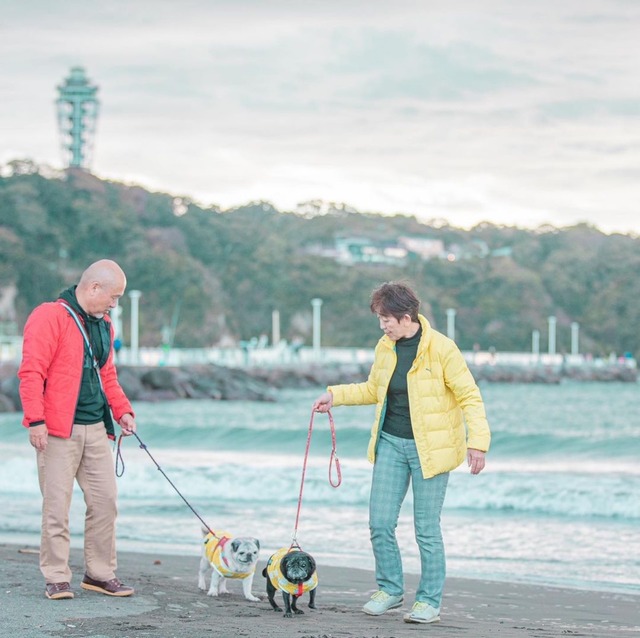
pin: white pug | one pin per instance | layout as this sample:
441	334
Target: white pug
228	557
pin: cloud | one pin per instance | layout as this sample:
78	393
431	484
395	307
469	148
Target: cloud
481	110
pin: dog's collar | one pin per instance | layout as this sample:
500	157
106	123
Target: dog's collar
219	546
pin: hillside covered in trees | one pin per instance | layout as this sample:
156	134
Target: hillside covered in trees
212	276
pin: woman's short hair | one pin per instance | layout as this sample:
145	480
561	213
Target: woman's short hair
395	299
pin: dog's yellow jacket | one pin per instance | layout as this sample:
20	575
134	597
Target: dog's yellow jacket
214	545
274	570
441	391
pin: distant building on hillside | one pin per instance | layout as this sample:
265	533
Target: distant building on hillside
318	207
505	251
77	107
350	250
425	247
474	249
361	250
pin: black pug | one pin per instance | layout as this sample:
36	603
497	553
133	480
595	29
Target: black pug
293	572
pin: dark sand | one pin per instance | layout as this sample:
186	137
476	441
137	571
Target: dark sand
168	604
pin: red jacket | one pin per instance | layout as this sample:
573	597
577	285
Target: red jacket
51	371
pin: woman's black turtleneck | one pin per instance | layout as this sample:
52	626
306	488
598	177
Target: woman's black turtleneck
397	419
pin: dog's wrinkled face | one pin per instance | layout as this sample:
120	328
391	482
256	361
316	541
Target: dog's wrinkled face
298	567
244	551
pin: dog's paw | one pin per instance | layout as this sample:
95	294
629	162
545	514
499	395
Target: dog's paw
212	592
288	614
253	599
298	611
312	606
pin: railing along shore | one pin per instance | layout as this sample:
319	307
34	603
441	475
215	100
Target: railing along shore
287	356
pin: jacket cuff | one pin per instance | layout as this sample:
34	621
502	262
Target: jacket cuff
33	425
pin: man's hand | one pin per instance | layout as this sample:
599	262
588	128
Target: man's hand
38	436
128	424
475	460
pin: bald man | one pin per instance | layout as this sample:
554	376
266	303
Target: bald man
71	397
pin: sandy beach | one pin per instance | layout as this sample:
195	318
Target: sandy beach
168	604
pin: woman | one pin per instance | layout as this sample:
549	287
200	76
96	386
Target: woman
422	389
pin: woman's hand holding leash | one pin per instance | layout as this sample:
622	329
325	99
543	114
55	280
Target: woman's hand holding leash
323	403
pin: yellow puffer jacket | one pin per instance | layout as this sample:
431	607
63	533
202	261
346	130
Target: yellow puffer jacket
442	397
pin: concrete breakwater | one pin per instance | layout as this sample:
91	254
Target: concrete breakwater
208	381
553	373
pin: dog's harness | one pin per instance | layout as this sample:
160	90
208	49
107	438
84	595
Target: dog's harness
213	552
278	580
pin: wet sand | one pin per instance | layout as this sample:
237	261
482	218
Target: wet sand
168	604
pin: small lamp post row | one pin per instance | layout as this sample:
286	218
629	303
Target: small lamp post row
316	304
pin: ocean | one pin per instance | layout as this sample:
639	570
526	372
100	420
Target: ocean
558	503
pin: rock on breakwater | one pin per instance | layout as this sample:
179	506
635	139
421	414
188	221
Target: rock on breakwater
220	383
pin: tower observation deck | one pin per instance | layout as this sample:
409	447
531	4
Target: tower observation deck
77	107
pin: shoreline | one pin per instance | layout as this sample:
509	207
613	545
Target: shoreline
30	541
169	604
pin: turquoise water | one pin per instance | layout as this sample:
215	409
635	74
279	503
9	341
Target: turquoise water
559	502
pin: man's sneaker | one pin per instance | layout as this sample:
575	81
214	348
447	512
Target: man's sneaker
58	591
111	587
381	602
422	613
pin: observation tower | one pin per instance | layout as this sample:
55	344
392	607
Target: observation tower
77	107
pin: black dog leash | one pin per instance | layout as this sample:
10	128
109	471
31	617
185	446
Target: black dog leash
119	473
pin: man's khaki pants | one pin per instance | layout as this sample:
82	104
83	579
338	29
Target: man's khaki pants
87	457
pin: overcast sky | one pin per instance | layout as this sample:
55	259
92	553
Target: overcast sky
519	112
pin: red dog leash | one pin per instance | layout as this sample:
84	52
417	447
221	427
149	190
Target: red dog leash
333	460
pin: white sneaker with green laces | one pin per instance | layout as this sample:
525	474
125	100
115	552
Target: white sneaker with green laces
422	613
381	602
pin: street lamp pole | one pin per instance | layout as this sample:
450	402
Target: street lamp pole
535	343
552	335
134	295
451	323
116	319
275	327
317	304
575	331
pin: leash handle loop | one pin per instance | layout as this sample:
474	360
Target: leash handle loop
333	459
119	458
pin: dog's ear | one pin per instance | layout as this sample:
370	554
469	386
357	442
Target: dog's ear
235	545
312	561
257	542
